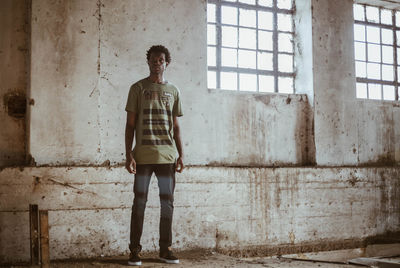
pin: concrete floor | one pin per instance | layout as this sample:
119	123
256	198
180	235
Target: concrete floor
203	259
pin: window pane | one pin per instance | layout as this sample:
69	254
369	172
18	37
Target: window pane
285	63
359	12
398	18
210	12
247	17
248	82
387	54
285	42
228	81
247	38
398	38
285	4
387	36
374	91
265	41
398	77
229	36
285	85
211	79
373	34
374	52
228	57
265	61
284	22
211	35
361	68
359	51
229	15
398	56
265	20
247	59
250	2
386	16
361	90
398	71
372	14
387	72
265	3
388	92
211	56
373	71
266	83
359	32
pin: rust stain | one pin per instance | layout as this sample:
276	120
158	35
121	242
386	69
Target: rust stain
15	103
65	184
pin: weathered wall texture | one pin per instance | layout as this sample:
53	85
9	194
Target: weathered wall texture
13	80
222	208
347	131
84	57
87	54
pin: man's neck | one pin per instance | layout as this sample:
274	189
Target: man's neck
157	78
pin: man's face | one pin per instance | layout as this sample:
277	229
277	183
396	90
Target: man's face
157	63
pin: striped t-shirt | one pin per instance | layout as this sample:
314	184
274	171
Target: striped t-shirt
155	106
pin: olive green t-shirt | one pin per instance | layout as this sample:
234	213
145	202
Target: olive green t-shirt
155	106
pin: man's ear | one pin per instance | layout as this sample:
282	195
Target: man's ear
167	63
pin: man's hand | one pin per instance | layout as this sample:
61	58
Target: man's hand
130	164
179	165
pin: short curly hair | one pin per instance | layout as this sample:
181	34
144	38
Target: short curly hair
159	49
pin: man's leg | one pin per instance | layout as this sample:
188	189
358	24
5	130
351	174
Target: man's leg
166	183
141	189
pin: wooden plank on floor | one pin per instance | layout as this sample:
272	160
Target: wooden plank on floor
34	233
375	262
44	239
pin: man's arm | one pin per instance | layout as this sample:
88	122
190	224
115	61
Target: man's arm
130	163
178	142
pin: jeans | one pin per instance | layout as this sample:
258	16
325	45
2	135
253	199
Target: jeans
165	174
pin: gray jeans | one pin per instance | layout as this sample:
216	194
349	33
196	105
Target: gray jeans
165	174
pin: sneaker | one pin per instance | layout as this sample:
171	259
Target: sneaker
168	257
134	259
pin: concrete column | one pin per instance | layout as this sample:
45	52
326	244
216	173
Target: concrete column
65	71
14	30
334	83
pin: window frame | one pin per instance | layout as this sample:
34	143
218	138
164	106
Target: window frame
275	73
396	46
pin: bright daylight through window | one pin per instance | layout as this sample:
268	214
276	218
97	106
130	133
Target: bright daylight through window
250	45
377	49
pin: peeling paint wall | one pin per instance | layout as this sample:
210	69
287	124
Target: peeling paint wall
238	192
228	209
14	30
348	131
86	56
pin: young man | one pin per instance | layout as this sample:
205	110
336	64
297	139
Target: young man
152	109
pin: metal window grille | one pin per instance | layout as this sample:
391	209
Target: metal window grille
250	45
376	50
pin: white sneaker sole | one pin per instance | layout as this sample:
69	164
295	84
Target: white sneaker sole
131	263
169	261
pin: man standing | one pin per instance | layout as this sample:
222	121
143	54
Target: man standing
152	109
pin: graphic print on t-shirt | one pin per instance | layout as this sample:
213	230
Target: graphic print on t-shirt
157	118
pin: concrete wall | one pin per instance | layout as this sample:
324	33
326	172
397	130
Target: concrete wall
257	210
14	32
87	54
238	192
348	131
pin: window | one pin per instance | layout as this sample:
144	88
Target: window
250	45
377	52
